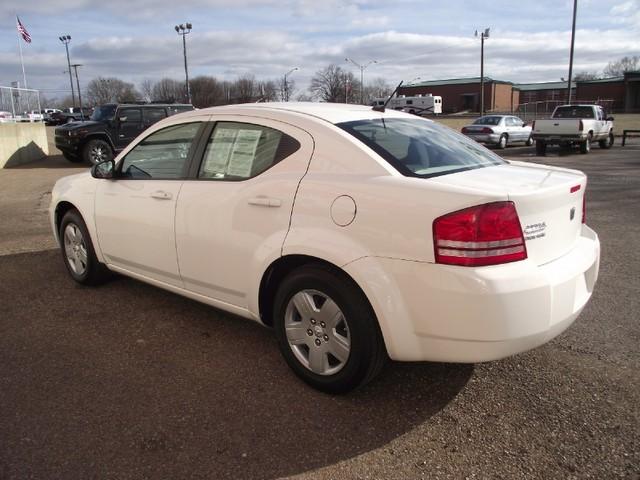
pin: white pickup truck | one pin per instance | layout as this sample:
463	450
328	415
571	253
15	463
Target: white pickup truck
574	125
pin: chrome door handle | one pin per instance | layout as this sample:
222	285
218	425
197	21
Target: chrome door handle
162	195
265	201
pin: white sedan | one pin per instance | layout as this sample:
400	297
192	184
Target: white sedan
356	234
499	130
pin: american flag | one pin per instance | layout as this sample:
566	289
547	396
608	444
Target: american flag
23	31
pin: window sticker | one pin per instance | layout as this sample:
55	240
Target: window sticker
218	158
244	153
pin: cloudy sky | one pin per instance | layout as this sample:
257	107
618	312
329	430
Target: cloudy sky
135	39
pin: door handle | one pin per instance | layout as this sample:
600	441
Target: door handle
265	201
162	195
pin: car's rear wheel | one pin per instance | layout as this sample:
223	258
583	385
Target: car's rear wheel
326	330
607	142
78	253
541	148
502	143
585	147
96	151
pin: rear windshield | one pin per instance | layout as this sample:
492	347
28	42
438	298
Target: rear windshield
421	148
573	112
488	121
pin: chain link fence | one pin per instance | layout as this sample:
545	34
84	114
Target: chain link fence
536	110
22	103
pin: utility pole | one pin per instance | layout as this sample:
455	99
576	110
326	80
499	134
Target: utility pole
573	38
184	30
75	68
483	35
66	39
362	68
286	85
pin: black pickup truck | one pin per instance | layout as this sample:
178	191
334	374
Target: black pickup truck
110	129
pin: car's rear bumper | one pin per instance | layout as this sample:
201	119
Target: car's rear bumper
460	314
560	138
493	138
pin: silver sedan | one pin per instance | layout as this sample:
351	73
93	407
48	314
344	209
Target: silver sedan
499	130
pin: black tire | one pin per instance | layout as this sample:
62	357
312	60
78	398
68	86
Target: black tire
529	142
541	148
607	142
367	353
585	147
71	157
96	151
95	272
502	143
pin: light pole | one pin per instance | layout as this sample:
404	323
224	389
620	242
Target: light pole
75	68
362	68
184	29
286	85
573	38
66	39
483	35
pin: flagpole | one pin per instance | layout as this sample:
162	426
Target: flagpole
24	76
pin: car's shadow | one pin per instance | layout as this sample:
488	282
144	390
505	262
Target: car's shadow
51	161
129	380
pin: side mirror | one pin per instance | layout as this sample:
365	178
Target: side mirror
104	169
610	119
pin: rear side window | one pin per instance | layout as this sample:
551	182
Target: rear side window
153	115
238	151
571	111
420	148
161	155
130	115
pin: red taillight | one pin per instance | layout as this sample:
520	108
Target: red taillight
584	208
580	126
465	129
487	234
487	130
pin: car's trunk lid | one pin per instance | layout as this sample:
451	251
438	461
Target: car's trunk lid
548	201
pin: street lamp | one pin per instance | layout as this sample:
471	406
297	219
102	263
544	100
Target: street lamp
286	85
362	68
573	39
483	35
184	29
75	68
66	39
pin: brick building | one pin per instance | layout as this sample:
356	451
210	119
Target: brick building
544	92
460	94
624	91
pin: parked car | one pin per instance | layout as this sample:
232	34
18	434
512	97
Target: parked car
71	114
499	130
46	114
110	129
574	125
6	117
354	233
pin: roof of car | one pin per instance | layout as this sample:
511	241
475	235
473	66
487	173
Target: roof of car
330	112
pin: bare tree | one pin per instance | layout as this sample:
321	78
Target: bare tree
206	92
245	89
146	89
102	90
287	89
376	88
586	76
625	64
333	84
268	91
168	90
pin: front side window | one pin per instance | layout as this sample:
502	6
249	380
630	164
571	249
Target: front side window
130	115
161	155
421	148
238	151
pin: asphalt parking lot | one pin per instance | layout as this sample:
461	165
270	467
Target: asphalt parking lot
129	381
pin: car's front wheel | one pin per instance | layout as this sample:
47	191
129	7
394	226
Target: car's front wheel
529	142
78	253
326	330
607	142
502	143
96	151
